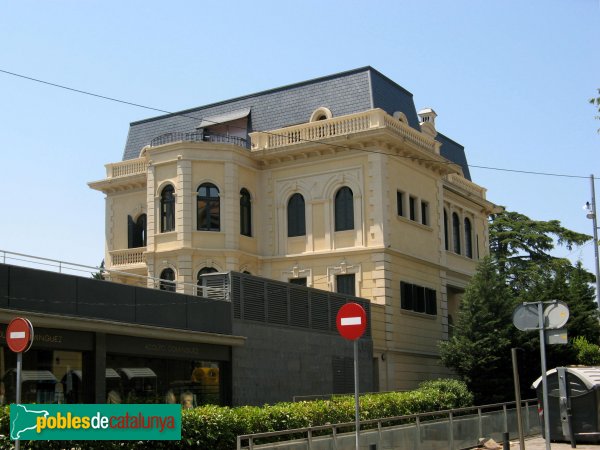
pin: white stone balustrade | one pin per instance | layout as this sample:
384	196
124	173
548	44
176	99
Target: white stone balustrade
340	126
126	168
128	257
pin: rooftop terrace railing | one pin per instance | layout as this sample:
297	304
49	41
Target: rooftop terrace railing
197	136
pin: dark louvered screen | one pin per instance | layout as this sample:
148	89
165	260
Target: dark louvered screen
336	302
254	299
237	296
284	303
319	311
299	312
277	303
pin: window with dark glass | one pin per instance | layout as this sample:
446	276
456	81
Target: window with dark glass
468	239
446	244
167	280
400	203
456	232
345	284
167	209
136	231
298	281
418	298
344	209
412	206
208	208
425	213
245	213
295	215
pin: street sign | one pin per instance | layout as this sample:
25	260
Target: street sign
19	335
556	315
351	321
554	337
525	317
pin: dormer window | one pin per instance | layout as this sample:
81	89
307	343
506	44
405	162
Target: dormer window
321	113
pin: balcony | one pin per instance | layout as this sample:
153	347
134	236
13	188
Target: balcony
169	138
131	257
322	130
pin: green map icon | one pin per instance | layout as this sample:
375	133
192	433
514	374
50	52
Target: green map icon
23	419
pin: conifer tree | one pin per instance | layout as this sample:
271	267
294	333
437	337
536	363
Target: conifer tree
483	336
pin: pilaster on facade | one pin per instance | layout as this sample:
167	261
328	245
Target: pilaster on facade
183	207
152	209
185	278
375	199
230	222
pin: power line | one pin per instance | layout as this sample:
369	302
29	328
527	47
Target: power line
345	147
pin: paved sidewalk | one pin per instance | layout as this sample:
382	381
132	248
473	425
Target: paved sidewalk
538	443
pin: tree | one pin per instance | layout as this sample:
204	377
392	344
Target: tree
520	269
100	274
522	246
483	335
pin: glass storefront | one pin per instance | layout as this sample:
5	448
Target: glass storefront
44	375
136	370
153	380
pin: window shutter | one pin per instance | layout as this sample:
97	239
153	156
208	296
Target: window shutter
130	232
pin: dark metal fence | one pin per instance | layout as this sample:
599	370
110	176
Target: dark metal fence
197	136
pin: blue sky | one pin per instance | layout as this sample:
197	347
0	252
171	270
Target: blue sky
509	80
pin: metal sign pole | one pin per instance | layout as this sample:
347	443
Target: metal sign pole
356	399
546	405
513	352
18	399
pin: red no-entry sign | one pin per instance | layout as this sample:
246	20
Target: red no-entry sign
19	335
351	321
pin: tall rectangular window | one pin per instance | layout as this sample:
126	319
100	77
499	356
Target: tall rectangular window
400	203
425	213
412	205
345	284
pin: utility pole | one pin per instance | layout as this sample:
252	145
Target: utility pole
592	215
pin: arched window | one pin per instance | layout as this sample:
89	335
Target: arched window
167	280
245	213
456	232
202	281
296	216
209	208
136	231
468	238
446	229
344	209
167	209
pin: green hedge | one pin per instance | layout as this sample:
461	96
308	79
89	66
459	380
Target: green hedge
216	427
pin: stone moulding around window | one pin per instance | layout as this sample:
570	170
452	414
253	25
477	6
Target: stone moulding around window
345	269
298	272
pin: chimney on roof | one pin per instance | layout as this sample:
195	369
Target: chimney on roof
427	121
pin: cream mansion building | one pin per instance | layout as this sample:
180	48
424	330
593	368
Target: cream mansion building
336	183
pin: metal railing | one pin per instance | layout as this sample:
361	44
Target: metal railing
206	291
444	430
197	136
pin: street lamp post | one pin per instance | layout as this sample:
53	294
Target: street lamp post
591	208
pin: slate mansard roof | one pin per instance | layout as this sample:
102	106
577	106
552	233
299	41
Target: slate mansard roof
343	93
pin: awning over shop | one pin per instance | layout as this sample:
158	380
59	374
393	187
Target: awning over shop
138	372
